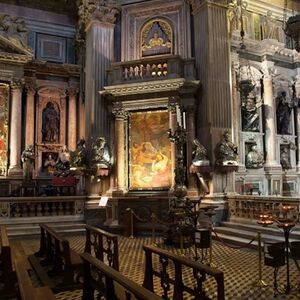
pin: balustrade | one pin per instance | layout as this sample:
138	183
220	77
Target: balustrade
21	207
244	207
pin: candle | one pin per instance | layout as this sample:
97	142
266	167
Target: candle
184	120
178	115
170	118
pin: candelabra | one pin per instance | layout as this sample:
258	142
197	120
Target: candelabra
286	217
180	213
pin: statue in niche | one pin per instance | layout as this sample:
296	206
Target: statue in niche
156	40
50	124
269	29
28	158
226	151
100	153
283	112
254	159
285	160
250	113
199	154
62	165
79	156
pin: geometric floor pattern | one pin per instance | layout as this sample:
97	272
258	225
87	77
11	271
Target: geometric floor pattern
240	267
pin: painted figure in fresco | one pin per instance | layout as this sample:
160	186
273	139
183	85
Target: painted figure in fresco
283	113
199	154
285	157
227	152
254	159
50	124
79	156
63	162
50	163
28	158
250	114
100	153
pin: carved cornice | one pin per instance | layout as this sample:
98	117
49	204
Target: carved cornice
14	58
146	87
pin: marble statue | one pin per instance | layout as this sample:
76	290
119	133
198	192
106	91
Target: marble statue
100	153
283	112
63	162
199	154
226	151
79	156
268	25
28	158
254	159
285	157
250	114
50	124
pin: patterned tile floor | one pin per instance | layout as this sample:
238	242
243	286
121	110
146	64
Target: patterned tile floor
239	267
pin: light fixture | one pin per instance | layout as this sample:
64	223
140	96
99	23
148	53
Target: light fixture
292	25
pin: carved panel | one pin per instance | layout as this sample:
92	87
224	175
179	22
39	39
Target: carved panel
4	101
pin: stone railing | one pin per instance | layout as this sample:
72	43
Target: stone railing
154	68
28	207
244	207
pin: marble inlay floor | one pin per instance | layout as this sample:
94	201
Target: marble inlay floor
239	267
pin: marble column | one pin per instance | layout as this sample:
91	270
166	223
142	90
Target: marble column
191	178
30	116
15	130
270	126
120	137
99	55
72	119
297	87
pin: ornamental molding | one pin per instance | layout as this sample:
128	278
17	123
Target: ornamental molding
198	4
147	87
14	58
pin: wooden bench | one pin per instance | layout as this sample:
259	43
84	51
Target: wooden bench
56	252
8	276
197	277
103	244
113	286
26	289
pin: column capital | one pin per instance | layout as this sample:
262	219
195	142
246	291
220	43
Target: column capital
30	86
72	91
17	85
120	112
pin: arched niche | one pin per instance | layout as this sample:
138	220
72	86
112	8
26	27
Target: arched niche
156	38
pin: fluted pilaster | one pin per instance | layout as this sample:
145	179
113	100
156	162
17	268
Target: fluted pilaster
30	115
15	129
72	119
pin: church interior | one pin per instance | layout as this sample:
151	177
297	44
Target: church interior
149	149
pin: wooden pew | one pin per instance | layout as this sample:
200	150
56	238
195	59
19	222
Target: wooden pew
198	274
115	285
26	289
8	276
103	244
56	251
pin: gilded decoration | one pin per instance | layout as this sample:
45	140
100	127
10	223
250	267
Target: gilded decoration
156	38
4	100
149	151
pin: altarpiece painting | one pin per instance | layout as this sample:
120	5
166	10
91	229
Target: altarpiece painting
4	100
149	151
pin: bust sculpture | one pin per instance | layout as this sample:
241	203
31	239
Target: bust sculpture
254	159
78	157
199	154
226	151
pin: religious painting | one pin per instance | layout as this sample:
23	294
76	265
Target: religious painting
50	123
149	151
156	38
4	100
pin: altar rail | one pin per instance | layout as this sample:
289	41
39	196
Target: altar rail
250	207
163	67
24	207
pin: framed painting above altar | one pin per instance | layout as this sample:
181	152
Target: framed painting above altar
4	100
149	151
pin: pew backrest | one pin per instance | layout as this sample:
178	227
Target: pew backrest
116	286
103	244
197	273
5	256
